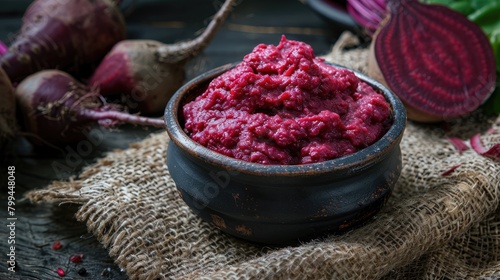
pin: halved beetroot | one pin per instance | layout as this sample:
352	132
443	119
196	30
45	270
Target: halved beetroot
440	64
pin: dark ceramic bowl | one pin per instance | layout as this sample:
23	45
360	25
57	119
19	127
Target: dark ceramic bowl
281	204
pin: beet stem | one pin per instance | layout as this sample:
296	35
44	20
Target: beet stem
114	116
173	53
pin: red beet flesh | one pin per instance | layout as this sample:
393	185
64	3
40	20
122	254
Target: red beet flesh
439	63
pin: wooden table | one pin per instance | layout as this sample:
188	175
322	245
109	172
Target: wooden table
38	226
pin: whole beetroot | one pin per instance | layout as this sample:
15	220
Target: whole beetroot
439	63
58	110
63	34
147	72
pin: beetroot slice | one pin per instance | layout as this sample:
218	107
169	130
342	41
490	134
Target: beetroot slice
459	144
435	59
450	170
477	145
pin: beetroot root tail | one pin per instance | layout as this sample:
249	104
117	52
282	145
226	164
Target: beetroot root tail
111	118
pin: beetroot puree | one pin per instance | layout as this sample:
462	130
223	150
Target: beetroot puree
283	105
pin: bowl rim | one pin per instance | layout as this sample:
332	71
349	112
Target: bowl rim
350	163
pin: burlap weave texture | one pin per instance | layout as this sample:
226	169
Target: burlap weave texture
434	226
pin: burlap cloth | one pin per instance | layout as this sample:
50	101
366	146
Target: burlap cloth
434	226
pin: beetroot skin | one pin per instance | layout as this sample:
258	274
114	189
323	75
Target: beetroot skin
46	117
57	109
146	73
63	34
132	67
